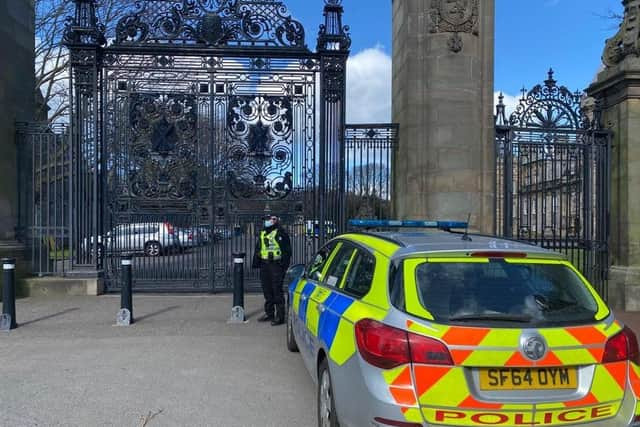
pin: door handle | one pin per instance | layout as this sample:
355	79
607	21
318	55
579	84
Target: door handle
303	297
321	308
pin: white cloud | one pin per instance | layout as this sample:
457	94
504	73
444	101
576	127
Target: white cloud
369	87
510	102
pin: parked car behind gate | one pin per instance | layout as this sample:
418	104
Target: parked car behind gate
190	237
151	238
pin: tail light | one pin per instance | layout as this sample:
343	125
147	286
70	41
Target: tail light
622	346
386	347
169	228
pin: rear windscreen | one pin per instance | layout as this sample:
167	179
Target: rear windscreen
500	291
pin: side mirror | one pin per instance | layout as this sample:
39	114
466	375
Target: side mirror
294	273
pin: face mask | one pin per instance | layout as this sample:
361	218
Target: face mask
268	223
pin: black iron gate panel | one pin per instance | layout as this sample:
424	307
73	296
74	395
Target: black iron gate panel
199	118
553	178
369	157
45	162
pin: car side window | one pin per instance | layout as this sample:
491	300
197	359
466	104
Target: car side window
339	265
315	267
396	288
360	276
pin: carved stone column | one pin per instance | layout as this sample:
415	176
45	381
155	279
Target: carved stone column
443	101
617	88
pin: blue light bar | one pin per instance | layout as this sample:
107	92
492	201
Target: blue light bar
379	223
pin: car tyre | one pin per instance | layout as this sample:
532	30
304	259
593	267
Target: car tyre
327	416
152	249
292	345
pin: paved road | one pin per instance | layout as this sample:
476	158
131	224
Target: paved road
67	365
181	364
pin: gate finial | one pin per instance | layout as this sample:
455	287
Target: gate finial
333	36
83	28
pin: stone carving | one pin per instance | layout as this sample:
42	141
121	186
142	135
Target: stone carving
627	41
454	16
455	43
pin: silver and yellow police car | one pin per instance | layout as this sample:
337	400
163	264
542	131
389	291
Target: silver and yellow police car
438	328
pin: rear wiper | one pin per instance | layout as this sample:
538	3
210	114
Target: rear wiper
501	317
554	304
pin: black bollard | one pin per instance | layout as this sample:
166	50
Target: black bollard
126	293
9	290
237	311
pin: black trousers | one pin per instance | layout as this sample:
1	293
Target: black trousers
271	278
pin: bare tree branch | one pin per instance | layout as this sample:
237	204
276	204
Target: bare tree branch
52	57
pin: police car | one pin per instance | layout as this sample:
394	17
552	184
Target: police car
413	329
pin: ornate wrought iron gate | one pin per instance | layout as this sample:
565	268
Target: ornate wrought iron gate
553	176
198	119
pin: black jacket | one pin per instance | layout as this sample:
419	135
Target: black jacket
285	246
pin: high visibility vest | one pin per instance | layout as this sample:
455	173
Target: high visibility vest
269	246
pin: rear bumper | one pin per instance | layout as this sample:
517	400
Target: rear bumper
362	395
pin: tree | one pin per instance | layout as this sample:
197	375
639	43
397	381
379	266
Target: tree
370	179
368	191
52	58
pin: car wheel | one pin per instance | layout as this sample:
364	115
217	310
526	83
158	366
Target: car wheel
291	339
152	249
327	416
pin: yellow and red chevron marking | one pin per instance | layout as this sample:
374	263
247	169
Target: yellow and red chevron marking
446	386
634	381
485	347
608	385
402	391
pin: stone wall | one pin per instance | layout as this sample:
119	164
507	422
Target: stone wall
17	103
17	100
443	101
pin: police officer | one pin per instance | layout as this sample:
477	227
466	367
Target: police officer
272	255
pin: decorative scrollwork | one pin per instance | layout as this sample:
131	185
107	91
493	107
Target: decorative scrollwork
548	107
334	69
162	157
131	29
259	156
219	23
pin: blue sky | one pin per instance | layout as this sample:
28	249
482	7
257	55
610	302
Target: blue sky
531	37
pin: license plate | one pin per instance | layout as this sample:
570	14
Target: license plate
528	378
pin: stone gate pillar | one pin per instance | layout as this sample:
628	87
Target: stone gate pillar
617	89
443	101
